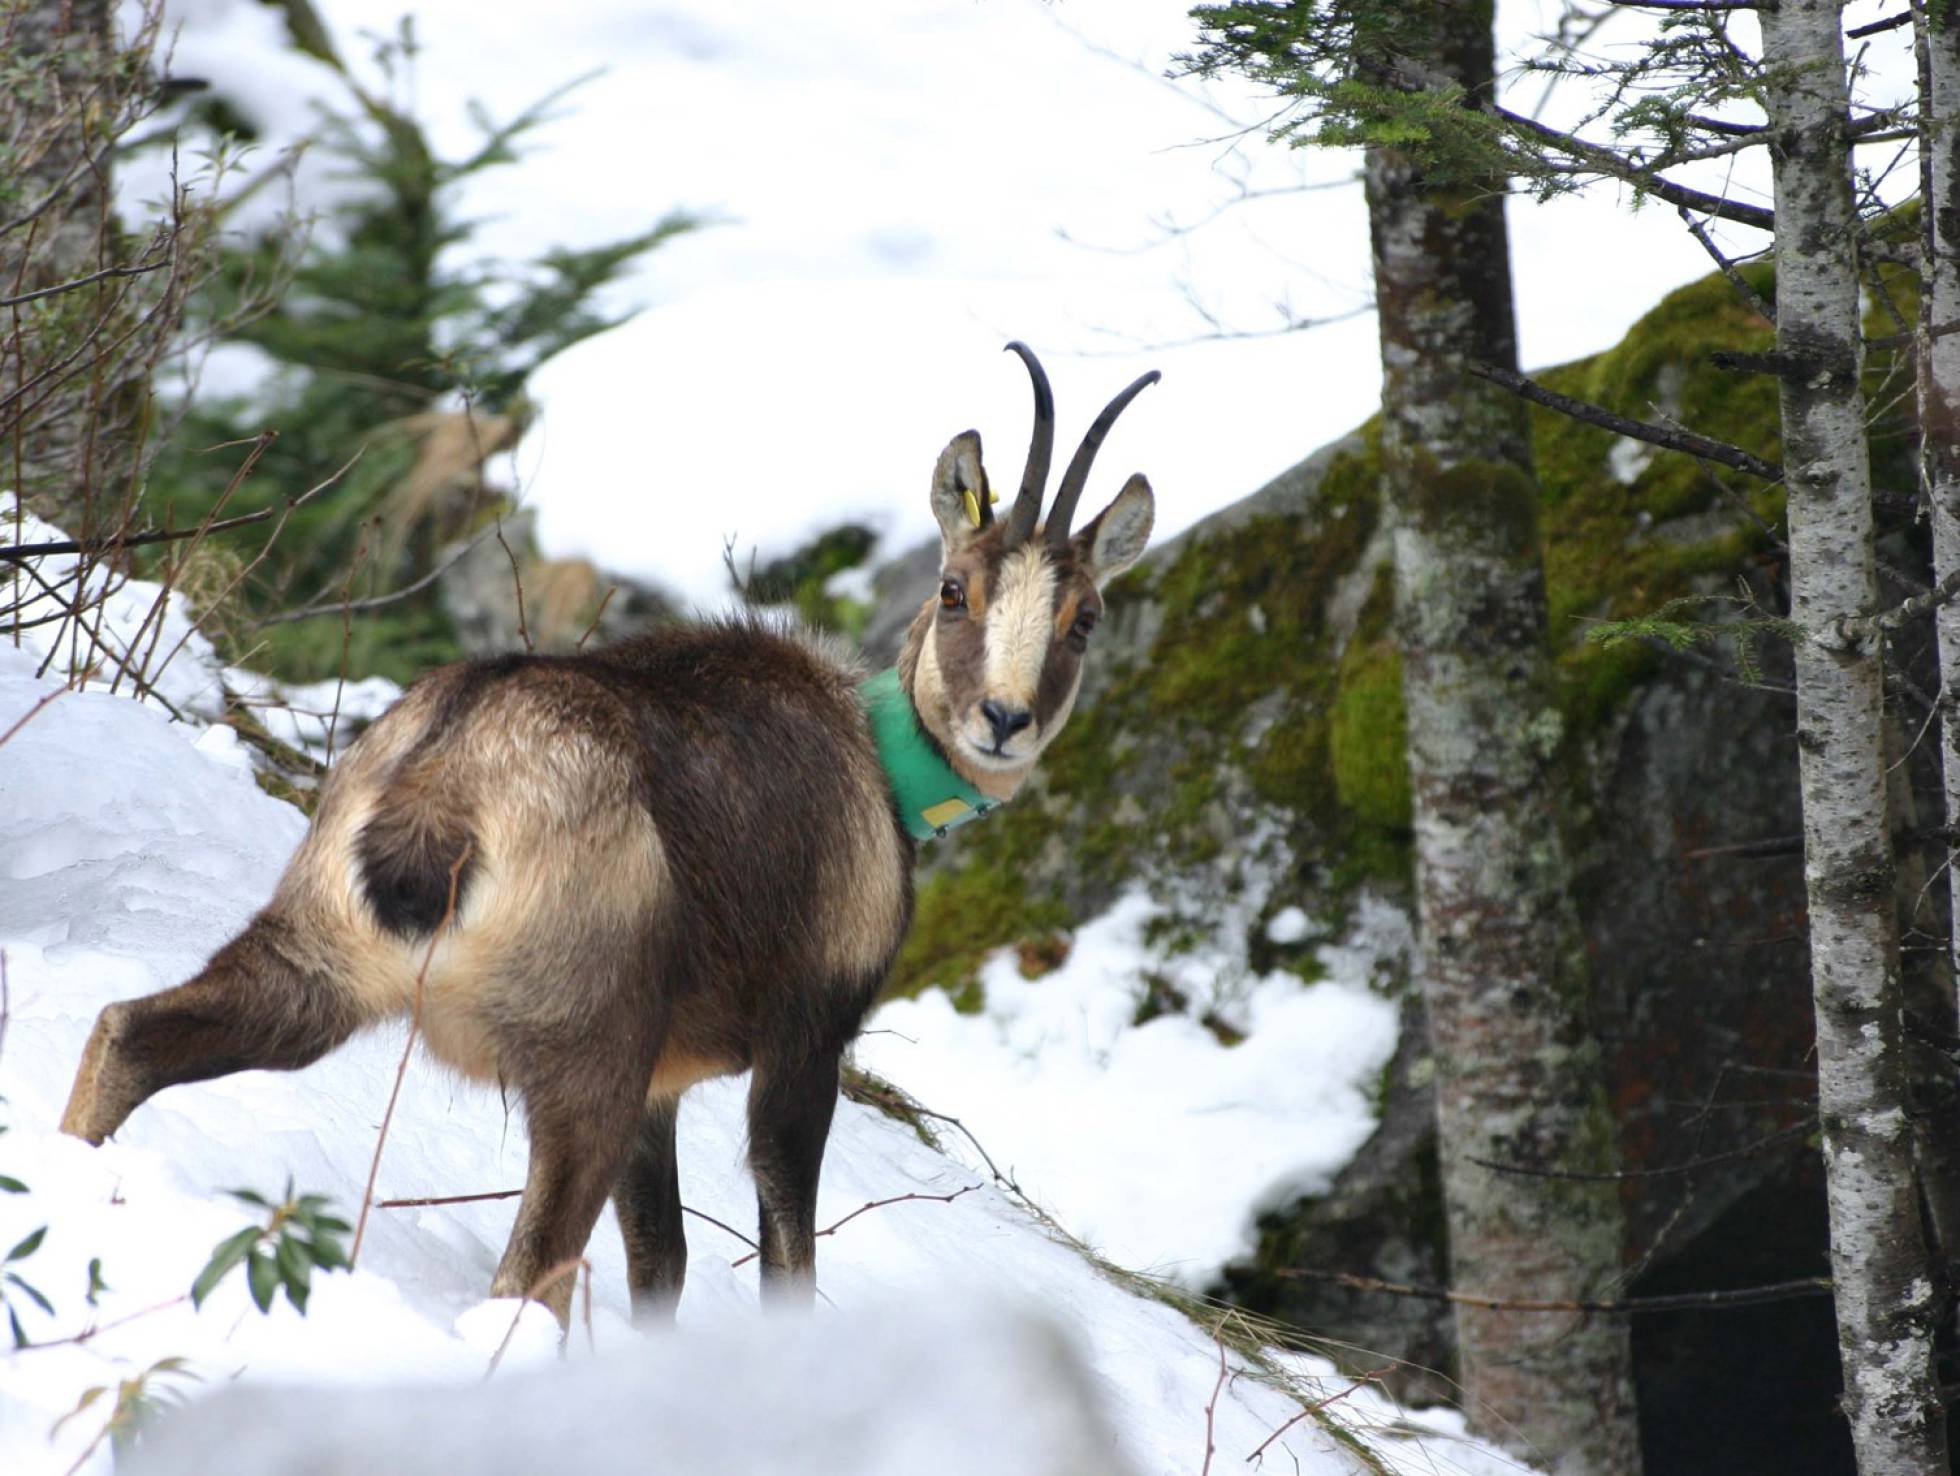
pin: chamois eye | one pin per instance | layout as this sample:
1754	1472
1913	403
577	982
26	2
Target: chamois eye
951	595
1078	633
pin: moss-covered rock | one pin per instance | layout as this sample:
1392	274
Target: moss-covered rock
1243	708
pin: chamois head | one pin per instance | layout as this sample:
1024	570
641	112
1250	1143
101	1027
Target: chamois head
995	658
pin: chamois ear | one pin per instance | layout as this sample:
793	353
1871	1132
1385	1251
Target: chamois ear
1116	539
961	498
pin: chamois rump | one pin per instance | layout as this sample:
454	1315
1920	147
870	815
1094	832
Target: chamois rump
684	856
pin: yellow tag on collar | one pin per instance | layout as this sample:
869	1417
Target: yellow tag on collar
945	812
972	507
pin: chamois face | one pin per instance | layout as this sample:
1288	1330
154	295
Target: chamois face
1003	638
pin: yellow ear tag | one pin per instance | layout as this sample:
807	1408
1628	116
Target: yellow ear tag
972	507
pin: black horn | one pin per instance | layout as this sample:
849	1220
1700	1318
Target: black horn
1077	474
1041	450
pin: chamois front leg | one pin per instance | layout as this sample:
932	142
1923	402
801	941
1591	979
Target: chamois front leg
792	1098
648	1199
255	1005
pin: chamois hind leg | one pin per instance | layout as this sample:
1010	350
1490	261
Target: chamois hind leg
583	1100
648	1198
791	1100
265	1001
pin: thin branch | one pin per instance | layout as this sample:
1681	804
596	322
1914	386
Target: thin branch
440	1199
33	712
1781	845
597	615
376	602
536	1294
1601	160
1371	1377
1859	629
832	1229
408	1047
96	1329
1704	447
1748	1150
1211	1405
139	269
427	1202
1890	23
720	1225
897	1101
1745	1296
1729	269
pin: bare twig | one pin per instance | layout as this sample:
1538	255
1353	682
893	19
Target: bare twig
832	1229
1729	269
96	1329
1211	1405
403	1204
136	269
376	602
1746	1296
597	615
895	1101
1371	1377
33	712
1672	439
1769	1140
408	1047
536	1294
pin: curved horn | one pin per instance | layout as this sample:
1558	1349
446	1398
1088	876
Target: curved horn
1041	450
1077	474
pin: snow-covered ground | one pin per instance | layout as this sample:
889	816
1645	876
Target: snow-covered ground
133	842
1156	1143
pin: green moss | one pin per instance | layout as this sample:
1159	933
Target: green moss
960	917
1247	708
1368	735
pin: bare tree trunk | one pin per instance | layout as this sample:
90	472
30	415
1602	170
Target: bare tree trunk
1885	1297
1519	1078
1939	377
69	433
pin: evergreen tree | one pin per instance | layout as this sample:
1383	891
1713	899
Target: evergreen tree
393	346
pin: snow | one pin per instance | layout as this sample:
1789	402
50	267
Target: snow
132	844
1156	1143
902	186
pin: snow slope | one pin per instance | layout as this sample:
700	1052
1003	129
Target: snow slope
132	844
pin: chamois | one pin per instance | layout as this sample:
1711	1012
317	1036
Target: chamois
687	855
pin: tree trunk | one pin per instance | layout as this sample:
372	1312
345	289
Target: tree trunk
1519	1079
67	429
1885	1297
1939	380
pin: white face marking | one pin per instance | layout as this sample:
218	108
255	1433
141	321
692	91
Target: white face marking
1020	625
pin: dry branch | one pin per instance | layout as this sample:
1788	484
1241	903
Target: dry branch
1746	1296
835	1226
408	1047
1706	448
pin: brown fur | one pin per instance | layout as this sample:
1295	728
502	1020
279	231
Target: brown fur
680	859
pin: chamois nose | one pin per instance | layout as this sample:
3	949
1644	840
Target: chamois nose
1006	722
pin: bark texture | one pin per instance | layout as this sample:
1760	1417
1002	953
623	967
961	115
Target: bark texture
1518	1073
1885	1296
66	386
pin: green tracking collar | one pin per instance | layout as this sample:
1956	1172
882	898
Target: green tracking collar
931	798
